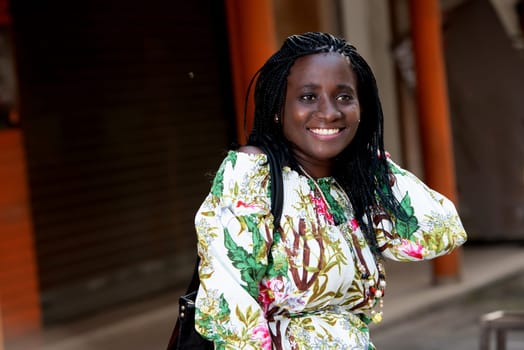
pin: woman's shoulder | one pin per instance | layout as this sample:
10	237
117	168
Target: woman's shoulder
240	172
246	159
250	150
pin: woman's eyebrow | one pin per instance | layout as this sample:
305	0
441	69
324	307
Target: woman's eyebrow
310	86
346	87
313	86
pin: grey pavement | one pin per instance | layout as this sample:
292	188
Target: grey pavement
417	315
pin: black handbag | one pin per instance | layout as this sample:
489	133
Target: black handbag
184	335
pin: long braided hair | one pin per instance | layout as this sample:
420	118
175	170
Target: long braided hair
361	169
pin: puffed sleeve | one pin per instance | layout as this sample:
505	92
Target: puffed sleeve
430	226
234	229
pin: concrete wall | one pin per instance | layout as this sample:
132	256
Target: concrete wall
366	23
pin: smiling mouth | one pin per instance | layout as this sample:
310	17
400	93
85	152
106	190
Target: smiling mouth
325	131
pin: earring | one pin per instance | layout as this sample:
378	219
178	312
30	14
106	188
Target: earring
276	118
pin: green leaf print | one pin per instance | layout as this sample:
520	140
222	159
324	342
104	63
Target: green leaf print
439	229
218	182
248	317
232	157
336	209
251	271
395	169
406	205
251	224
224	311
408	224
217	320
277	261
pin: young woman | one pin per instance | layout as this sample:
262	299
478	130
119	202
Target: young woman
313	280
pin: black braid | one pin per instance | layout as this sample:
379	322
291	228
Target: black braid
361	169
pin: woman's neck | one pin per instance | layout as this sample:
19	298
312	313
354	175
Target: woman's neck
315	170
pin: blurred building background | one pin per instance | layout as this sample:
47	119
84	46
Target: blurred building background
114	115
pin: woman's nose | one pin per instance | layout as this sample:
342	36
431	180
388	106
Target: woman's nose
328	109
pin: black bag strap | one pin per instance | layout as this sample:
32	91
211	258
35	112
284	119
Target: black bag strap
195	280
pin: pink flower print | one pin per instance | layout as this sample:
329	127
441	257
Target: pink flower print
321	207
245	205
261	332
265	297
268	291
354	224
412	249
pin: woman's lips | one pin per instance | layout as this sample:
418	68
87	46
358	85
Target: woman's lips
325	132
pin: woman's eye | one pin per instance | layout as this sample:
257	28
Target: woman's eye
308	98
345	98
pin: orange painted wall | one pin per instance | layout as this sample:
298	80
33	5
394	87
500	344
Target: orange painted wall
19	296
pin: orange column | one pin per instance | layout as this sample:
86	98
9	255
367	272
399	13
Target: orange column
1	330
433	113
19	296
251	41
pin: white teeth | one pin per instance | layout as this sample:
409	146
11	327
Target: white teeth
325	131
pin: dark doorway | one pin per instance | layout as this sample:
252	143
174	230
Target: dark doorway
125	107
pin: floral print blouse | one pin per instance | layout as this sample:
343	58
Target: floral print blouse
299	287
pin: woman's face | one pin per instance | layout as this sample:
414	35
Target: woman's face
322	110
